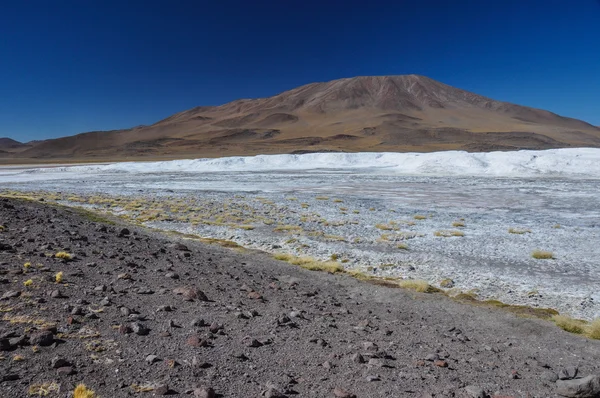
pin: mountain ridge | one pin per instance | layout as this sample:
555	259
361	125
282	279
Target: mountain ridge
365	113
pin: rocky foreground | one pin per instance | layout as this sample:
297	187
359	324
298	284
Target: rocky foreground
131	312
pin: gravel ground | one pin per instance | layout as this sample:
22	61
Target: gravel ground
137	309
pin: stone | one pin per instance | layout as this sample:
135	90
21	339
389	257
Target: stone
58	362
160	389
66	371
215	327
273	393
196	341
179	246
549	376
377	362
11	294
17	341
204	392
475	392
105	302
139	328
150	359
190	293
432	357
440	363
56	294
199	322
253	343
124	232
568	373
370	346
341	393
357	358
172	275
255	295
43	338
9	377
587	387
373	378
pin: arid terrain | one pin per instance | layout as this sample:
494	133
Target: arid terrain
131	312
371	113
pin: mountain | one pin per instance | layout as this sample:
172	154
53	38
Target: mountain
369	113
8	144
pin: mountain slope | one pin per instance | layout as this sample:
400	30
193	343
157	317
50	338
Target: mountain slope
371	113
8	144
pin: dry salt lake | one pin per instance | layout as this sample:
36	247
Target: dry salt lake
468	221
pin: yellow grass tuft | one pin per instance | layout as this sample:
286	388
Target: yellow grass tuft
59	277
63	255
81	391
448	234
458	224
27	265
310	263
43	389
593	330
419	217
417	285
519	231
569	324
28	282
542	255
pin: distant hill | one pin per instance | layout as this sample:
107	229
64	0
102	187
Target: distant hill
6	144
370	113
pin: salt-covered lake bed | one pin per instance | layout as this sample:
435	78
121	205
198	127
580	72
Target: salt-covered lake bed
474	219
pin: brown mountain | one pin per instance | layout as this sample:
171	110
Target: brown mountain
372	113
8	144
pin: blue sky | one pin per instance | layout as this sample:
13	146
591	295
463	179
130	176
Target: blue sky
73	66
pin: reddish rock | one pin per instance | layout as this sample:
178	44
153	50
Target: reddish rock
341	393
441	364
196	341
255	295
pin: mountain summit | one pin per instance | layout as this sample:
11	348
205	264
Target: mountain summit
367	113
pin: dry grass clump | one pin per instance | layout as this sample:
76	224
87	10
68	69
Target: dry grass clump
402	246
417	285
569	324
519	231
458	224
310	263
81	391
542	255
384	227
63	256
287	228
448	234
59	277
322	198
419	217
593	330
578	326
43	389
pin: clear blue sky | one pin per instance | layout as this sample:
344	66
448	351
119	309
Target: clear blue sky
72	66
